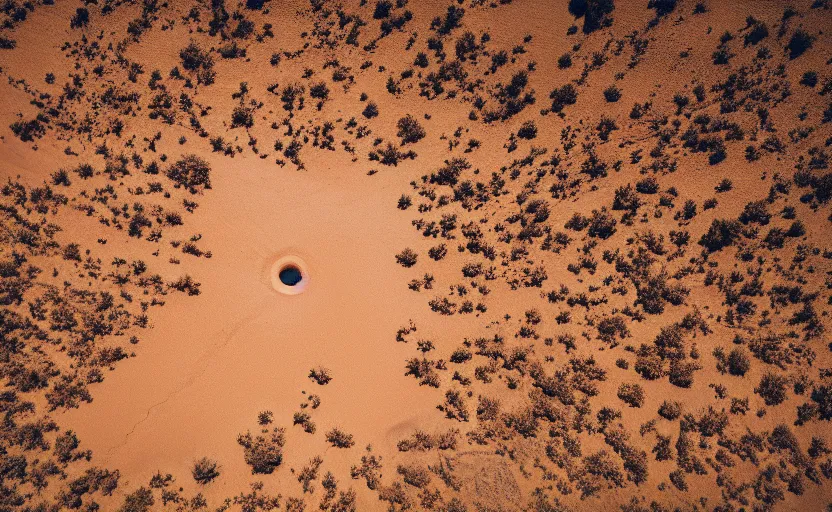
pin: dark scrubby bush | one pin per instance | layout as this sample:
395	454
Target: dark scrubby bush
438	252
612	328
527	131
205	470
738	362
626	199
648	185
320	375
28	131
670	410
449	173
822	396
772	388
339	439
722	233
799	43
681	373
190	172
407	258
319	91
410	130
602	224
612	94
242	117
140	500
371	110
649	364
605	127
631	394
809	79
563	96
755	212
80	19
382	9
662	7
264	452
598	14
195	58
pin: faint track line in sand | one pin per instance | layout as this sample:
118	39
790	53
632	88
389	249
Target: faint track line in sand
202	366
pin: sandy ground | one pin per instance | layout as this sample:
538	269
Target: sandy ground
210	363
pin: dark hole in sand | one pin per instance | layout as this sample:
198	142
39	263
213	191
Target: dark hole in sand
290	275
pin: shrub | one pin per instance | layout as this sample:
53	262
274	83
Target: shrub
677	477
612	94
455	405
725	185
799	43
662	448
320	375
822	396
528	130
407	258
371	110
772	388
738	362
190	172
775	239
305	421
809	79
466	46
631	394
563	96
140	500
796	230
417	476
601	224
339	439
681	373
577	222
319	91
242	116
605	127
194	58
205	470
597	14
662	7
80	19
438	252
757	33
264	452
722	233
382	10
649	364
755	212
421	60
410	130
28	131
626	199
405	202
450	172
612	327
648	185
712	422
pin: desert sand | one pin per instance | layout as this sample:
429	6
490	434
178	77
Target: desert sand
553	256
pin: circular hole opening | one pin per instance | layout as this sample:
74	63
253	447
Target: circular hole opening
290	275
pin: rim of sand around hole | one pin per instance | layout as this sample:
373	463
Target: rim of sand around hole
288	263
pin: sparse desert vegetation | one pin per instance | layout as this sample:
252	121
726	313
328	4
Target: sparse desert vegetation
604	228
